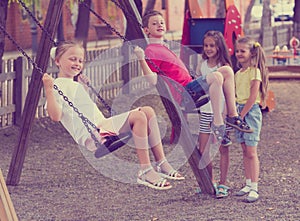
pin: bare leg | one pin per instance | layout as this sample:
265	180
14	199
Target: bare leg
203	139
246	161
229	90
251	163
215	82
138	121
155	141
224	164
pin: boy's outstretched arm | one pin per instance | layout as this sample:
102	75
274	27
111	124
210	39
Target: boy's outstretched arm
150	75
53	108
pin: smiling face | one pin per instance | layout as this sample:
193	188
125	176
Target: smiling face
71	62
210	48
243	54
156	27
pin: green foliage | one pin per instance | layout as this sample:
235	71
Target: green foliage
27	2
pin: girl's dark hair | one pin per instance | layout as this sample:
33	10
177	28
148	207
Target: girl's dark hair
147	15
223	56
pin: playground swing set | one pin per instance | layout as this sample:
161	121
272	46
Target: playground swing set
54	11
129	8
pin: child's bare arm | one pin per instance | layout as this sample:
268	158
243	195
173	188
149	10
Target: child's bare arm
198	68
84	80
53	108
150	75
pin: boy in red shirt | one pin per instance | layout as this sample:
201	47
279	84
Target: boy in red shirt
161	60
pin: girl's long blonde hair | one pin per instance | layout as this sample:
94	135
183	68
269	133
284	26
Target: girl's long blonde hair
258	60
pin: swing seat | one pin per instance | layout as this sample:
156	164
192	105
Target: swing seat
112	143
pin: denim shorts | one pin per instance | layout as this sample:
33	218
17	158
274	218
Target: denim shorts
254	119
202	81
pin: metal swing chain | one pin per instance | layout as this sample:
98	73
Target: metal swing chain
126	13
111	111
104	21
84	119
20	49
192	72
55	44
176	86
37	22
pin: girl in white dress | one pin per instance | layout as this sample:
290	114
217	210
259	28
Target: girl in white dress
142	122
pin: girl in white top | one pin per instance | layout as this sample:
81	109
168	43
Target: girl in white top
215	56
69	57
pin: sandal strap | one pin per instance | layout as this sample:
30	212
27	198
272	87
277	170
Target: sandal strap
144	171
160	183
223	187
218	131
252	190
158	166
164	160
173	173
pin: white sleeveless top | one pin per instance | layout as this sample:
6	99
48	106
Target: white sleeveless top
205	70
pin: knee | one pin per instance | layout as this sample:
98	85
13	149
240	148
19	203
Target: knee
149	111
217	78
224	150
138	117
226	71
250	153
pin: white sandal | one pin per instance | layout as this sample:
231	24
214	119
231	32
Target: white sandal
172	174
161	184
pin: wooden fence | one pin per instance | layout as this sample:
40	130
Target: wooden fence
105	68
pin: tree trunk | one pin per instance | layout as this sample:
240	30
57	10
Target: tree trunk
296	19
248	12
221	9
83	22
130	33
150	5
3	17
266	36
60	30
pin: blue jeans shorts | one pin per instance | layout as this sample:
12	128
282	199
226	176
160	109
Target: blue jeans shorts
202	81
254	119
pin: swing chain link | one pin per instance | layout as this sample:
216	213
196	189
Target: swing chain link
37	22
21	50
110	110
177	87
84	119
104	21
126	13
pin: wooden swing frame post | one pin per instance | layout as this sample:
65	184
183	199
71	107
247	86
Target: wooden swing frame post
33	95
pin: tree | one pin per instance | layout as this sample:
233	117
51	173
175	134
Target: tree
266	31
150	5
83	21
248	12
130	32
221	9
3	17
